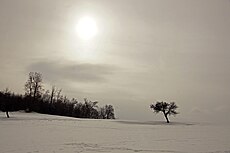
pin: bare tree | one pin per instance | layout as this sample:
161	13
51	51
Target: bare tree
89	109
33	85
109	111
102	113
166	108
29	85
37	85
53	92
46	95
58	94
33	88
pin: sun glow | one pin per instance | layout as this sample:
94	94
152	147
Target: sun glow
86	28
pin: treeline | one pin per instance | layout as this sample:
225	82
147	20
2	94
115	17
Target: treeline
39	100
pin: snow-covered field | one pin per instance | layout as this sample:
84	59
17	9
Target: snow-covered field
38	133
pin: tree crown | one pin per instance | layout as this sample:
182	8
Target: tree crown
166	108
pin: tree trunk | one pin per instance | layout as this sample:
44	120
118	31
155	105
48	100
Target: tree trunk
7	114
35	91
166	116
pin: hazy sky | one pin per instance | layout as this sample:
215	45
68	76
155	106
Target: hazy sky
145	51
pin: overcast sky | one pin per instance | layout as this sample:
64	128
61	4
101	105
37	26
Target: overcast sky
145	51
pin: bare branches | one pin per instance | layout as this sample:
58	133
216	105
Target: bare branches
165	108
33	86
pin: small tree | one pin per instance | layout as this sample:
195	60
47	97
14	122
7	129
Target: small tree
5	102
166	108
109	111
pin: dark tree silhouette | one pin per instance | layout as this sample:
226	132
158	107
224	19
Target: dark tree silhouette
166	108
51	102
102	113
6	105
53	92
33	87
106	112
10	102
89	109
109	111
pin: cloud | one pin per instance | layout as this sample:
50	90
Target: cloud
73	72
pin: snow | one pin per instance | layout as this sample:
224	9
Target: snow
39	133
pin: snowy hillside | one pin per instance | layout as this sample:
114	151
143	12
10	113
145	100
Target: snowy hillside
38	133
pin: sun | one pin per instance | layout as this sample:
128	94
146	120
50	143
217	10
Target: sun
86	28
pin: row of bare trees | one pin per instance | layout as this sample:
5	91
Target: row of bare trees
53	102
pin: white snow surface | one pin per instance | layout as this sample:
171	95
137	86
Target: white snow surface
39	133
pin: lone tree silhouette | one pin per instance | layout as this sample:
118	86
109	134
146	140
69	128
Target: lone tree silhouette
166	108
